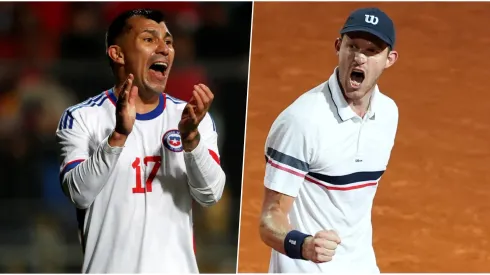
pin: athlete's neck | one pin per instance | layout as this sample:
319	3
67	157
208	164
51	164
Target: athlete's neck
145	102
360	106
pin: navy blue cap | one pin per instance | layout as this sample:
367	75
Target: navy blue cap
373	21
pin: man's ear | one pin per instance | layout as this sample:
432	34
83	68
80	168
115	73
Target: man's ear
337	44
392	58
115	54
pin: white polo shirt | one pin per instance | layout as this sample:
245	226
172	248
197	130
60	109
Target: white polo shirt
331	160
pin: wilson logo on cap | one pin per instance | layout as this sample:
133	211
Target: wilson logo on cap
371	19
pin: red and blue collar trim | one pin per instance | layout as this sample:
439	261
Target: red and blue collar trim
147	116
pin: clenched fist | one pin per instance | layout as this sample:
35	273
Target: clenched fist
321	247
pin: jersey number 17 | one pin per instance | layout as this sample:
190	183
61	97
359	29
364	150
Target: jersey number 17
137	165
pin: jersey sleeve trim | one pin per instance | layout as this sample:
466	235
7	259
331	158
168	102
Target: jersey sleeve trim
286	163
70	165
283	168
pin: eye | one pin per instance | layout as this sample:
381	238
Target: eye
351	47
148	39
372	51
169	41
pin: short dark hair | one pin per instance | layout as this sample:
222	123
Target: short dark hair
118	25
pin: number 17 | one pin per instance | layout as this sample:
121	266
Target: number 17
136	165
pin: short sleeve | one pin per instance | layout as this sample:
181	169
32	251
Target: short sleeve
73	141
209	134
288	155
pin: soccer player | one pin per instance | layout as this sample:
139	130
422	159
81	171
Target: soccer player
325	155
134	158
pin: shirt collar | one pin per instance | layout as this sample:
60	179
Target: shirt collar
344	110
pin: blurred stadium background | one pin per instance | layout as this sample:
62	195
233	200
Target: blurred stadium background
52	56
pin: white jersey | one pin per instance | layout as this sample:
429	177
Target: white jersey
134	203
322	153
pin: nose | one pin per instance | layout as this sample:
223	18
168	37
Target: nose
360	58
163	48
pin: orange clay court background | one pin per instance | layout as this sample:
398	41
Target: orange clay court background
432	208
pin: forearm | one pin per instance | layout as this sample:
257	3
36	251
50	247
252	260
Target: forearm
274	226
84	182
205	176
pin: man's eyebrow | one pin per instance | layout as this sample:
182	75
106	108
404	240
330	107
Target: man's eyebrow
157	33
152	32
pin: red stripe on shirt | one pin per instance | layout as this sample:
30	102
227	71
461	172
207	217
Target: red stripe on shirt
275	165
339	188
214	156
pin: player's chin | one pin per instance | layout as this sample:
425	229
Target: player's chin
354	93
156	86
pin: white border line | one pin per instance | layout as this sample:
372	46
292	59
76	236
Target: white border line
245	136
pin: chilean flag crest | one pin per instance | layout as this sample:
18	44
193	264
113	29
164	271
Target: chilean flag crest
172	141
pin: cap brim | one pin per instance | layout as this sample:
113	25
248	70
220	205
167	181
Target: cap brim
368	30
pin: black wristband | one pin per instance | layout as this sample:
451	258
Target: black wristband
293	244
